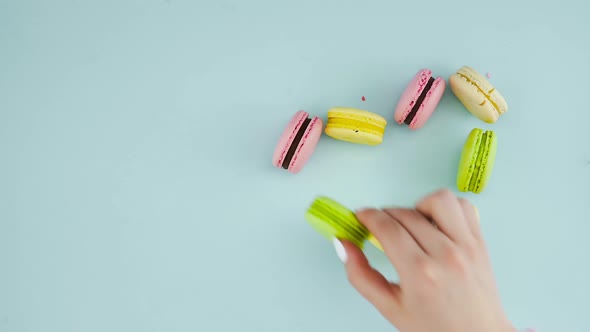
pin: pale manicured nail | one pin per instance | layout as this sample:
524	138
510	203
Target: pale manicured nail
476	213
340	251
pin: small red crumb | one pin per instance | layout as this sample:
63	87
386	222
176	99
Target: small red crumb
364	98
489	75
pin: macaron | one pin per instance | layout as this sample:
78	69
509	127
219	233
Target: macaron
477	161
478	95
298	142
333	220
420	99
355	126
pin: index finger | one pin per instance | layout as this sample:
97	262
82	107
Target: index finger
444	209
398	244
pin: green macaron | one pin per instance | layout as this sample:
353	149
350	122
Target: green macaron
332	220
477	161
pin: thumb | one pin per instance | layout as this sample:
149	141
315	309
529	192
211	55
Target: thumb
370	283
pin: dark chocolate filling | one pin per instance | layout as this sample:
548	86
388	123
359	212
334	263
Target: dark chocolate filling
418	103
295	143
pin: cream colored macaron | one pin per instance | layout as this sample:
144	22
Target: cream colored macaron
478	95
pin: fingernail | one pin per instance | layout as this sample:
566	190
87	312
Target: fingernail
476	213
340	251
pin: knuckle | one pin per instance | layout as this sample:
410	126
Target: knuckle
355	278
391	210
368	218
382	222
369	215
436	198
444	194
455	259
396	213
472	248
427	270
365	215
404	214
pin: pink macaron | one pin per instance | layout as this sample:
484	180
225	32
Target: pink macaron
419	99
298	142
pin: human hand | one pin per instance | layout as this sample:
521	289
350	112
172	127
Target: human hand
446	280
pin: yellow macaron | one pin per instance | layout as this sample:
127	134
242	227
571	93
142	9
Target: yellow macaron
355	126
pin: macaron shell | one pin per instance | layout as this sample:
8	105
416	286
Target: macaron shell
330	231
485	86
411	94
429	104
353	134
358	115
345	217
325	229
287	137
480	161
331	219
468	159
487	164
307	145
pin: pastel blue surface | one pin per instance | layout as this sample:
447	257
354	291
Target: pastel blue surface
136	186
